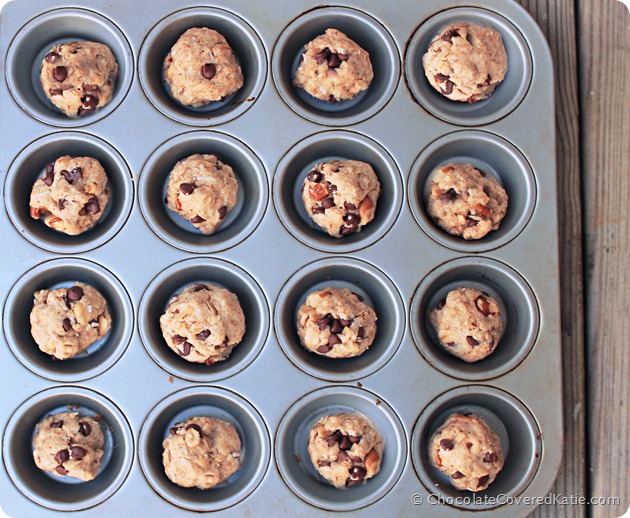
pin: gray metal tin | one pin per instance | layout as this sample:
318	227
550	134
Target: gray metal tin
271	255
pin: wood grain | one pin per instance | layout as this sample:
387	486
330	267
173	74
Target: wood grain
604	43
557	19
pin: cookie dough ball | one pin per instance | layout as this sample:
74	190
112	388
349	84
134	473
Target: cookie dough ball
202	452
202	189
79	77
67	444
346	449
468	451
71	196
465	201
334	68
203	323
341	195
201	68
66	321
468	324
335	322
465	62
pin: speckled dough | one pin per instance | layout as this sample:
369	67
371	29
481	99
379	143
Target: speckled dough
465	201
468	324
341	195
346	449
468	451
201	68
66	444
71	196
334	68
66	321
202	189
334	322
202	452
465	62
203	323
78	77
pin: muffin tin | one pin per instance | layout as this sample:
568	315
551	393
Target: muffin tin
269	253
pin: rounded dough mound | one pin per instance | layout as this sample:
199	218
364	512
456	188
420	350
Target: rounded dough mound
202	189
66	444
201	68
66	321
334	322
346	449
468	324
465	62
465	201
341	195
468	451
71	196
334	68
203	323
202	452
79	77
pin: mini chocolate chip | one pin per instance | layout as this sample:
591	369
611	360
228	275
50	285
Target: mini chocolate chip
315	176
483	480
456	475
323	349
202	335
178	339
60	74
61	203
197	219
333	60
67	325
352	220
327	203
52	57
346	323
441	303
78	453
490	457
323	322
222	212
471	222
62	456
75	293
344	443
90	101
334	340
55	91
186	188
447	444
208	70
441	78
448	88
194	426
323	463
360	332
471	341
61	470
186	349
85	428
336	326
56	424
449	195
354	439
449	35
318	210
349	206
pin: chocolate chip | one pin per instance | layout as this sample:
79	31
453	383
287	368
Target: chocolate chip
333	438
186	188
334	340
200	287
62	456
344	443
186	349
61	203
85	428
334	61
52	57
78	453
449	195
332	188
349	206
469	445
346	323
483	305
327	203
323	322
357	473
343	57
50	168
92	206
361	332
194	426
448	88
449	35
202	335
490	457
358	297
48	178
447	444
178	339
314	176
336	326
67	325
173	430
60	74
492	345
323	349
222	212
209	361
318	210
450	344
56	424
483	480
342	456
456	475
90	101
75	293
55	91
61	470
441	78
90	89
352	220
346	231
471	341
323	463
441	303
72	176
197	219
322	56
471	222
208	70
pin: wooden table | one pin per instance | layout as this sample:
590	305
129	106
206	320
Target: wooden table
590	44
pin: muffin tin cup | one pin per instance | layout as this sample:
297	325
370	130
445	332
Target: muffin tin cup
204	270
240	222
496	157
378	292
247	47
360	27
291	448
507	95
515	298
35	39
58	273
65	493
323	147
509	418
214	402
30	165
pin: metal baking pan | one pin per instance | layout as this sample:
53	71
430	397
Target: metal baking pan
271	256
